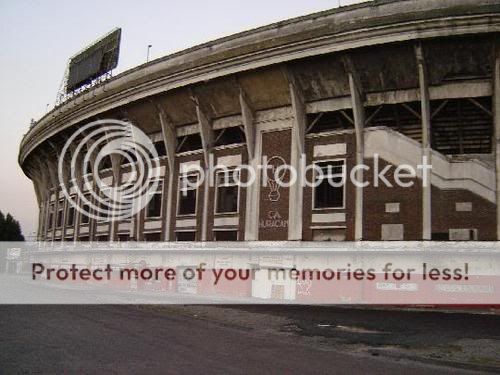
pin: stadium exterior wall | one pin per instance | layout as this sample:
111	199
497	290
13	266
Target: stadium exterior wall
395	79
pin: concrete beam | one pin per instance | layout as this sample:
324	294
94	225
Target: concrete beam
426	142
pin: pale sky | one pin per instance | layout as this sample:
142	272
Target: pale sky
38	37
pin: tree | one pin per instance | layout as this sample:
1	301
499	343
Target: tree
10	230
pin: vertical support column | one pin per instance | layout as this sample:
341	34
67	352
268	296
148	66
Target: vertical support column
426	144
78	182
116	161
359	124
496	109
45	196
207	138
52	170
295	217
170	140
252	191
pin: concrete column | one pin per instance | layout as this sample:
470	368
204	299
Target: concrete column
252	191
496	109
296	200
52	170
426	144
359	124
207	137
170	140
116	161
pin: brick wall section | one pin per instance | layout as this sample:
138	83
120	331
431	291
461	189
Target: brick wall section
275	143
350	157
445	217
199	208
240	150
375	198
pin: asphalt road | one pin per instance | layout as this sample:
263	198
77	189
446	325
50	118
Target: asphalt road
128	339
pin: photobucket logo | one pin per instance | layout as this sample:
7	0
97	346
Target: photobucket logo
86	152
276	174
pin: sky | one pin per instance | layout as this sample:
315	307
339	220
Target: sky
38	37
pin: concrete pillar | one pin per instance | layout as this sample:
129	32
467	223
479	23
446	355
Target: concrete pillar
359	124
116	161
296	200
252	191
426	144
170	140
496	109
207	137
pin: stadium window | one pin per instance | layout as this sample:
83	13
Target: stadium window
85	219
70	219
228	136
189	142
160	148
329	190
152	237
187	197
84	239
153	209
85	216
105	163
104	205
51	217
329	121
227	192
59	218
185	236
131	157
123	237
225	235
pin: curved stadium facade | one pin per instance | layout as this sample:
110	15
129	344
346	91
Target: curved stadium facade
383	83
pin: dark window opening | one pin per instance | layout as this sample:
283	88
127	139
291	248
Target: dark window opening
227	192
462	126
123	237
185	236
187	195
59	217
102	238
51	219
154	205
152	237
85	219
329	121
226	235
229	136
189	142
105	163
444	236
70	221
403	117
329	190
131	157
88	168
160	148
